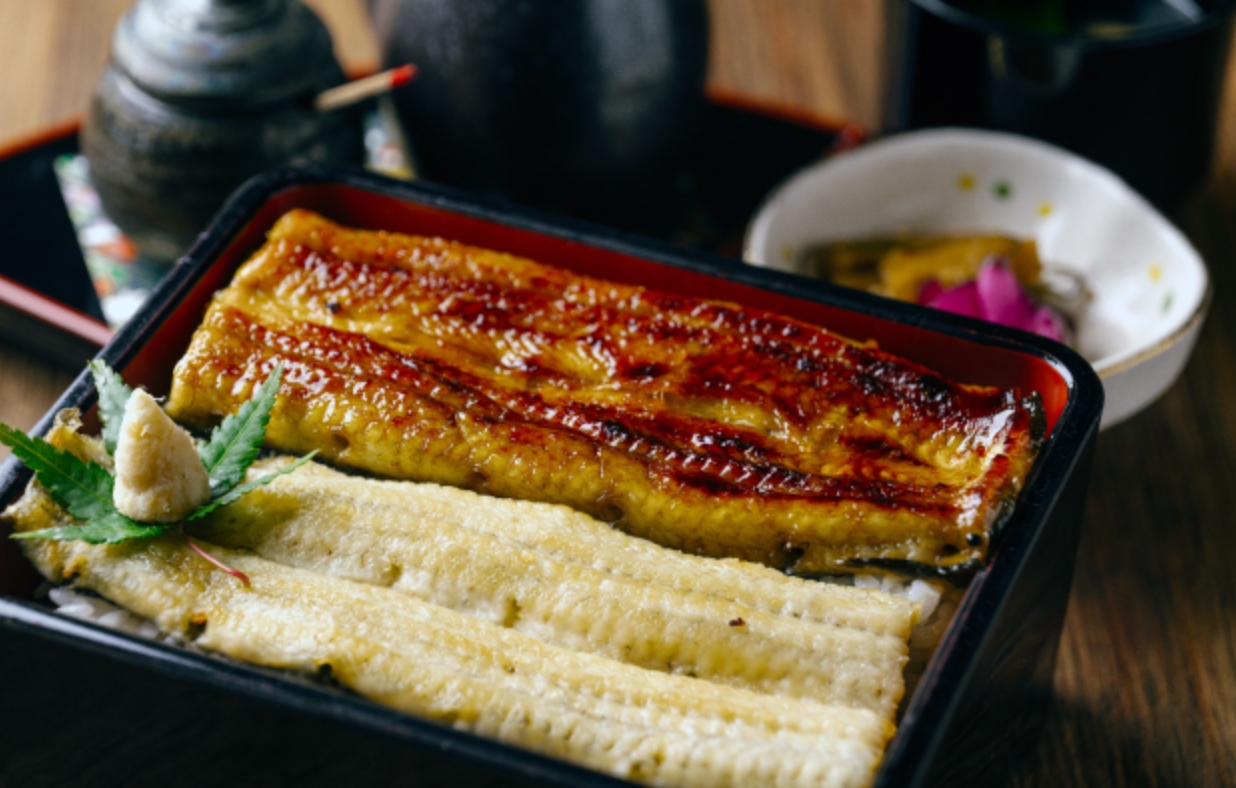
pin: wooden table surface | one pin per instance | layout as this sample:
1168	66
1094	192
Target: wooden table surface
1145	689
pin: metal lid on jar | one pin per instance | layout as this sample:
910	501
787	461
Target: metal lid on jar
248	52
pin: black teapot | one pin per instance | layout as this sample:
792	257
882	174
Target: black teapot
575	105
199	96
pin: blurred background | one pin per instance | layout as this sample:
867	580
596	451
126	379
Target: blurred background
824	57
827	53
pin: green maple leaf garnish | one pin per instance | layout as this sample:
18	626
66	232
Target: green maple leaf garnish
109	528
85	489
113	395
82	488
244	489
234	444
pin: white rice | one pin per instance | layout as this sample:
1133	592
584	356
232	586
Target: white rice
85	607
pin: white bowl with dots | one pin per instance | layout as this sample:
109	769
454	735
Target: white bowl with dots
1147	287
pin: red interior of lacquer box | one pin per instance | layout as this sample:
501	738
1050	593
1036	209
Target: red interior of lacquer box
954	356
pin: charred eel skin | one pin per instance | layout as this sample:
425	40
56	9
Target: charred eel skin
701	425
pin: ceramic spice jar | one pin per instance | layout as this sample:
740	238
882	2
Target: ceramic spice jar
199	96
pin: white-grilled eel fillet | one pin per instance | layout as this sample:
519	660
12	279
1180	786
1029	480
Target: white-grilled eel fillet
564	578
658	728
700	425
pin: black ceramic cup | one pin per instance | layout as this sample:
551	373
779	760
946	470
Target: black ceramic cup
581	106
1134	85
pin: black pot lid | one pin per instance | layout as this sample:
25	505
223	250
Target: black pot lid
223	51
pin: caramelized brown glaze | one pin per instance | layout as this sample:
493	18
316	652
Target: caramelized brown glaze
698	424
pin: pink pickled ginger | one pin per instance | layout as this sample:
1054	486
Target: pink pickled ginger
996	296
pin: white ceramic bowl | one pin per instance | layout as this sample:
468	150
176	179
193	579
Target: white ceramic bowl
1149	287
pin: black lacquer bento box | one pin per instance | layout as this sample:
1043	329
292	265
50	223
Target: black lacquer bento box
89	704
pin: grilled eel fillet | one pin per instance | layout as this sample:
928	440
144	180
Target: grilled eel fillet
658	728
564	578
697	424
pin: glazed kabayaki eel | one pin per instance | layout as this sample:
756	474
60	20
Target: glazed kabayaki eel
700	425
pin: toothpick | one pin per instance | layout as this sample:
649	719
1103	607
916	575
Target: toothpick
361	89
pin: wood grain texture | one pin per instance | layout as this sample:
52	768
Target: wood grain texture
1145	689
821	55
